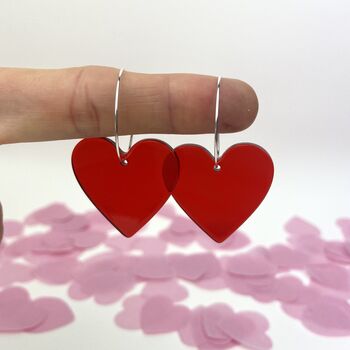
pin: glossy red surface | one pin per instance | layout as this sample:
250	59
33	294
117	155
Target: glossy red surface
221	201
127	195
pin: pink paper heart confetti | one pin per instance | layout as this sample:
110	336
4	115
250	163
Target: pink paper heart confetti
170	288
56	272
160	315
243	329
181	232
152	267
330	275
299	226
195	266
13	228
285	257
253	263
17	312
11	272
129	317
50	214
211	318
150	245
327	316
337	252
344	224
237	240
58	312
87	239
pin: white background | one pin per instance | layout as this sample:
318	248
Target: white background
296	55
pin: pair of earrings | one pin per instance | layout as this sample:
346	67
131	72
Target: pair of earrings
129	188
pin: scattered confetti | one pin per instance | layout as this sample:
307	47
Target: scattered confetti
12	228
53	257
160	315
18	313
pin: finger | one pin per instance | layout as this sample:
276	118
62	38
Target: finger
51	104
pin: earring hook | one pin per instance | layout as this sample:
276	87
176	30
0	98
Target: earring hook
116	136
217	167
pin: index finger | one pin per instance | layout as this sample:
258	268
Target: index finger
52	104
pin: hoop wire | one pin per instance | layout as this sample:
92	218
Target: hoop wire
116	130
216	128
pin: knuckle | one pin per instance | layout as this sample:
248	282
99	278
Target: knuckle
83	111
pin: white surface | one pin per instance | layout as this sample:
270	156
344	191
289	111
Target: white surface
295	54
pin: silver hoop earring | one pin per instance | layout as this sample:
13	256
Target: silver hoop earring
116	130
219	192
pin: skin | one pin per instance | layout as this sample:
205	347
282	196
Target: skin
78	102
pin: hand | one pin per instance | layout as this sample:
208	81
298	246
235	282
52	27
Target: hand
78	102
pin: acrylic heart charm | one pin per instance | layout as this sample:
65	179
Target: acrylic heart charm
127	195
221	201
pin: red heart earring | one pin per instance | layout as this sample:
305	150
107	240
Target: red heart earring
220	193
128	188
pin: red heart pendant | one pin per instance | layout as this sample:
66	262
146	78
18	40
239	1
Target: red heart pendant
127	195
220	201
